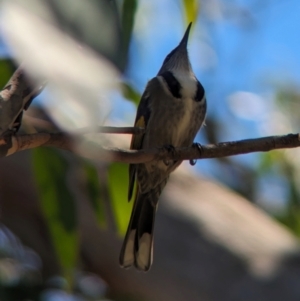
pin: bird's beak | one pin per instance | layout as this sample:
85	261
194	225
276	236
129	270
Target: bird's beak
184	41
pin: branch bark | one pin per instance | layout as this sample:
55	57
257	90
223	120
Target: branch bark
15	97
12	144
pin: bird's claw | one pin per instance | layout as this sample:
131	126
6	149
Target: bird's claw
199	147
171	149
193	162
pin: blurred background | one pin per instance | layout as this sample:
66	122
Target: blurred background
228	228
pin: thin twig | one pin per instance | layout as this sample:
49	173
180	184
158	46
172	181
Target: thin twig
109	130
49	126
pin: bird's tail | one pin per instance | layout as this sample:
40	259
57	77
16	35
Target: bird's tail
138	243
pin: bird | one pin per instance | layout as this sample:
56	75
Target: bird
172	110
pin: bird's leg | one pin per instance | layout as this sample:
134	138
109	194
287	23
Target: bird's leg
199	147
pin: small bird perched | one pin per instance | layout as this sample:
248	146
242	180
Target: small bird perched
172	110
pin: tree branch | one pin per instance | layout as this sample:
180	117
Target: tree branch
12	144
15	97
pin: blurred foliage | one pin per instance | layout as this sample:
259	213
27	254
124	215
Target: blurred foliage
7	67
118	189
128	14
191	9
53	174
277	162
130	93
285	164
287	100
52	168
95	195
20	276
91	22
280	163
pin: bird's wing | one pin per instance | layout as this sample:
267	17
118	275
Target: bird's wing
141	120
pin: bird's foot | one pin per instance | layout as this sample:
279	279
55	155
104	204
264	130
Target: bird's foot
171	149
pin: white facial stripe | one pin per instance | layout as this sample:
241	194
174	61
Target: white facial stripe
188	83
164	85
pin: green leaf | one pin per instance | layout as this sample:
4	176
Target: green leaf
130	93
6	70
94	193
128	14
270	160
191	9
51	173
118	189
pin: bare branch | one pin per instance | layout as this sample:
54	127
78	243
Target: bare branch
18	93
15	97
15	143
12	144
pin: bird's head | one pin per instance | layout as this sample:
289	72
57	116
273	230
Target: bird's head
178	60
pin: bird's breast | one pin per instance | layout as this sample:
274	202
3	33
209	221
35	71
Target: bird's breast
185	106
173	119
182	120
188	84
